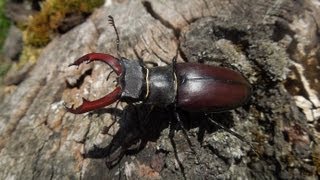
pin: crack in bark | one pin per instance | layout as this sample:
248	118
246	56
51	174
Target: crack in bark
37	156
176	31
206	5
152	51
157	44
83	157
52	172
147	5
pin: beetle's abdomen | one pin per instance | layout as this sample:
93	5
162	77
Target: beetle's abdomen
209	88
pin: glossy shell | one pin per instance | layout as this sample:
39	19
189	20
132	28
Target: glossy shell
209	88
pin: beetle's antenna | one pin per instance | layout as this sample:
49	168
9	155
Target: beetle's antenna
233	133
111	22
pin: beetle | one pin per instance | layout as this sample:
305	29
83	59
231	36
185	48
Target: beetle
189	86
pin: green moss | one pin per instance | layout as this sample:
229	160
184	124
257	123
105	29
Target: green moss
43	26
29	54
4	27
4	68
4	24
316	158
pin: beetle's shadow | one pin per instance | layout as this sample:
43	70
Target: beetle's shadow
139	124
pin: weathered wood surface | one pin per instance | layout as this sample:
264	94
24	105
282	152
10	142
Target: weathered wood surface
270	42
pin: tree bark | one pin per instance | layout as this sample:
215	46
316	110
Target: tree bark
274	44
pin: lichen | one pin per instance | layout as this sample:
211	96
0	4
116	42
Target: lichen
29	54
316	158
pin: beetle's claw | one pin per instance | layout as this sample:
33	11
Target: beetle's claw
87	106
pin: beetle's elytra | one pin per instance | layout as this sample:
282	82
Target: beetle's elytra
208	88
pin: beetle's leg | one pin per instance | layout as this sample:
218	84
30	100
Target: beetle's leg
114	117
109	75
174	147
115	113
184	131
106	58
233	133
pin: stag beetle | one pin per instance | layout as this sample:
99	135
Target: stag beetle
189	86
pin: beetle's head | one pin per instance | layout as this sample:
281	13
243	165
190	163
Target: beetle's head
131	87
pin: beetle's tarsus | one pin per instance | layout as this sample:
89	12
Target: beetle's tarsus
234	134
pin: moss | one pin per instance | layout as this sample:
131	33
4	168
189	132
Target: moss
4	27
316	158
4	68
29	54
43	26
4	24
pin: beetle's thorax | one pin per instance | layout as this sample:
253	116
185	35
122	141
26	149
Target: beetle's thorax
162	86
155	85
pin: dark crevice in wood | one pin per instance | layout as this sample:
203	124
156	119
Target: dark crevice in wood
176	31
164	22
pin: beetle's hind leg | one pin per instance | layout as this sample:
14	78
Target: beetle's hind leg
232	133
173	124
184	131
172	127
